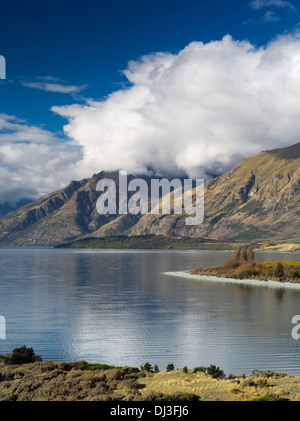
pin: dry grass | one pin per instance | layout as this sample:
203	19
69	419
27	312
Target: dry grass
281	247
257	386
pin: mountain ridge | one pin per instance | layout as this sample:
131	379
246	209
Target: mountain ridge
257	199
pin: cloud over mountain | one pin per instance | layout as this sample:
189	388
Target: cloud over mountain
33	161
197	112
194	113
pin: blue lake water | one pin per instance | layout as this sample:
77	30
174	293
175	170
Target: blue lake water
120	308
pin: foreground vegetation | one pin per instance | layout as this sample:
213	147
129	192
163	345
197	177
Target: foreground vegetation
25	377
242	265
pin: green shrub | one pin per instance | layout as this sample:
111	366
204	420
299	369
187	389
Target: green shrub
22	355
215	372
156	369
190	397
88	366
184	396
278	270
200	369
262	382
212	370
248	383
142	374
267	397
295	274
235	391
147	367
84	365
170	367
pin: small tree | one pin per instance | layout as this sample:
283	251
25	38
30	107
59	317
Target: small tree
147	367
250	253
170	367
244	254
215	372
295	274
278	270
236	254
156	369
200	369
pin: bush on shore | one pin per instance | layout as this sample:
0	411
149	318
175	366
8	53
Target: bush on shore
22	355
213	371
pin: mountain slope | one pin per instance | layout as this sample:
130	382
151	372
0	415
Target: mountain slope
63	215
258	199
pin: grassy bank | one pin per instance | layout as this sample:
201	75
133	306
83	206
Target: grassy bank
80	381
25	377
265	386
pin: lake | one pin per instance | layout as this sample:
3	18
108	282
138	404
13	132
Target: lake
121	308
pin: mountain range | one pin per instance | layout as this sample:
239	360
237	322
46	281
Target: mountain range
257	199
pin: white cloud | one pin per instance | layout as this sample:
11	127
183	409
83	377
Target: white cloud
197	112
33	162
259	4
269	17
51	84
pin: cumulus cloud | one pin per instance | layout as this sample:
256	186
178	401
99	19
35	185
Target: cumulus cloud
33	161
197	112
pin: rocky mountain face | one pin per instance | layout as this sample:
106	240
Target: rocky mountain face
64	215
258	199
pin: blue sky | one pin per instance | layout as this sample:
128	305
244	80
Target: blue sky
68	52
88	43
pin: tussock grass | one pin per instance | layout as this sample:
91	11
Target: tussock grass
259	386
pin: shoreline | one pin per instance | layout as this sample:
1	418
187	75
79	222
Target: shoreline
162	242
249	282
